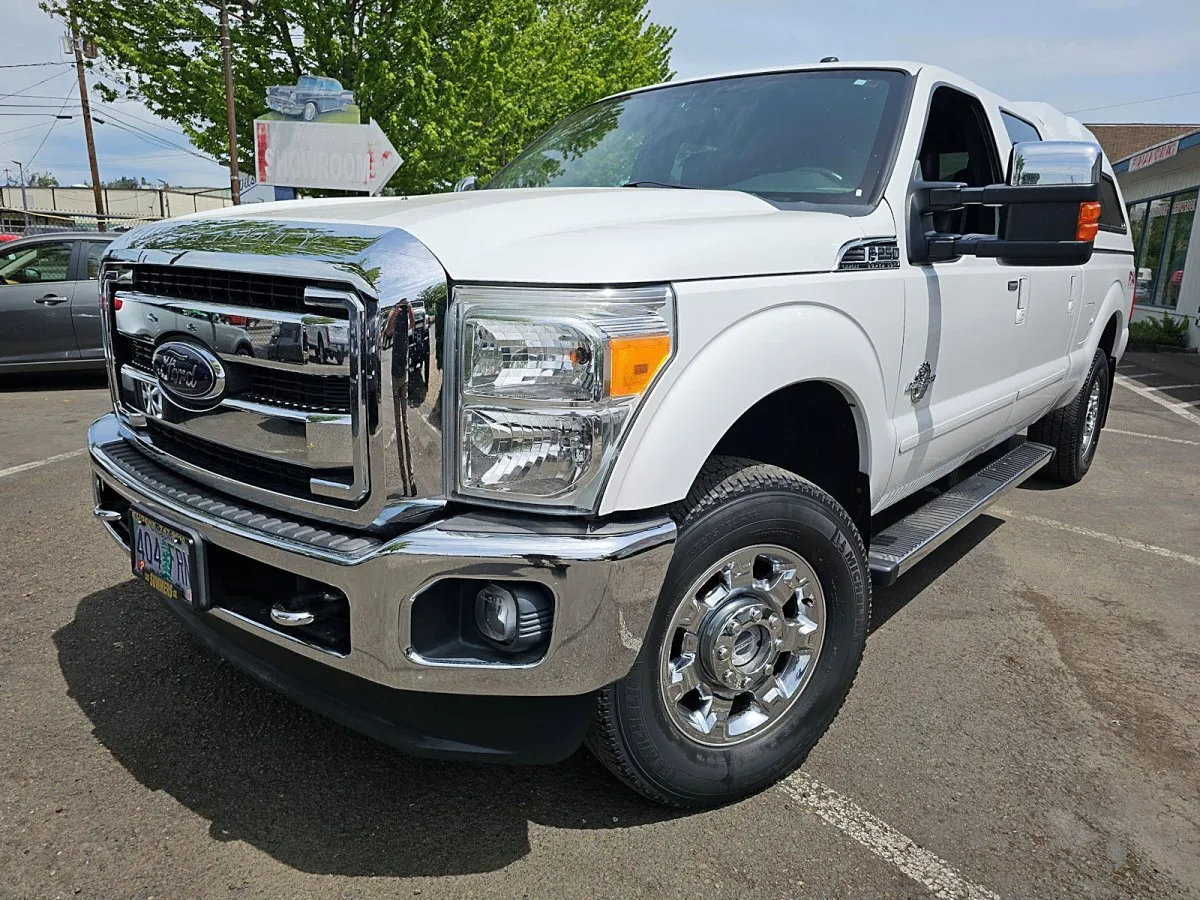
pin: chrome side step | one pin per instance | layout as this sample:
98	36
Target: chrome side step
899	547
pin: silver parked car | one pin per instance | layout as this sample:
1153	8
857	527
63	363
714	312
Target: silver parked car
49	302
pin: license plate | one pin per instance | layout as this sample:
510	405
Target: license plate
168	558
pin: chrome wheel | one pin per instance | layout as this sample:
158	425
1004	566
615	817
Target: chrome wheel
742	645
1091	421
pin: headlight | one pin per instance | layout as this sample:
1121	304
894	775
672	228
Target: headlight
547	384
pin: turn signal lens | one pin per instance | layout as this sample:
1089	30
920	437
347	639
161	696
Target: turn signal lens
1089	221
635	362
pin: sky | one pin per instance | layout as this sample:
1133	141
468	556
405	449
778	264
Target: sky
1083	56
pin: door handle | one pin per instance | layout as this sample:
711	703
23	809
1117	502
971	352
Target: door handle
50	300
191	327
152	317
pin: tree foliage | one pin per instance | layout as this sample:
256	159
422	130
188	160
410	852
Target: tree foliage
460	86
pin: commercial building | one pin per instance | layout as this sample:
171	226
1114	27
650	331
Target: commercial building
1158	167
33	209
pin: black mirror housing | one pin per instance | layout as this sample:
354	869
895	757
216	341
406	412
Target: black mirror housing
1041	208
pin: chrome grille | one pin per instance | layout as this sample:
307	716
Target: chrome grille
287	419
263	471
326	412
253	291
290	390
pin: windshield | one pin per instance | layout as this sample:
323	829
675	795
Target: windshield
819	137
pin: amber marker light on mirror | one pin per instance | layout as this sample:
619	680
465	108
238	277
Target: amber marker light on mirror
1089	221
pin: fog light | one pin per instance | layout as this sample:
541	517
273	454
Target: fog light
496	614
516	617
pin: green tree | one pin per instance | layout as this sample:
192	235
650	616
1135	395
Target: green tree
40	179
125	182
460	86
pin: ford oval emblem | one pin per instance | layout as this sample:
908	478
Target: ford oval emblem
188	372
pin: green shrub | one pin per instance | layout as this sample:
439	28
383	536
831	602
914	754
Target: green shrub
1168	331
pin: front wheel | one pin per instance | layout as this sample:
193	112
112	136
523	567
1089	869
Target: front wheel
1074	430
310	111
756	639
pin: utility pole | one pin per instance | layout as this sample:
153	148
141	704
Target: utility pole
97	191
24	202
235	186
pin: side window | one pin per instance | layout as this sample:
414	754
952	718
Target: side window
95	251
1018	129
959	146
38	264
1112	216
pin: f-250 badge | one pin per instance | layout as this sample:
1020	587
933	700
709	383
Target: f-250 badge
919	386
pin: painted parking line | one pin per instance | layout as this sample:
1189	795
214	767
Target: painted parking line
1127	543
1178	407
923	867
1169	387
1156	437
37	464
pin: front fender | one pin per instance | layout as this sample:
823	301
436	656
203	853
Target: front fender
707	390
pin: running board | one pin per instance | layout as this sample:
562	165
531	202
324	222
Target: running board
899	547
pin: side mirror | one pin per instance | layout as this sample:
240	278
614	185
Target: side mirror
1050	208
470	183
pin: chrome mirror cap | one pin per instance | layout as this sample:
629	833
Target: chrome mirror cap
1044	163
470	183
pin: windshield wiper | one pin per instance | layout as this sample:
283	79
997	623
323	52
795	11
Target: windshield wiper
660	184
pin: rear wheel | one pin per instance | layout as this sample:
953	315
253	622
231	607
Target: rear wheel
1074	430
755	642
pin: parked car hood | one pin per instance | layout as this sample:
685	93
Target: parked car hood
592	235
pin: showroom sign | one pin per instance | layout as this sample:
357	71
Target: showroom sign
314	155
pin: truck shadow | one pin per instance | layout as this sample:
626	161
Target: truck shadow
316	796
313	795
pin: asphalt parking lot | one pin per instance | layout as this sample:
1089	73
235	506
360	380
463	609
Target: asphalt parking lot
1026	722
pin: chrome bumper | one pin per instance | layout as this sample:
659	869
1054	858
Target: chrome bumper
605	578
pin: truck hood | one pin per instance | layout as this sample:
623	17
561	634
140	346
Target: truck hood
591	235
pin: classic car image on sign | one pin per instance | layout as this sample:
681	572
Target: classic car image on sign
310	98
615	449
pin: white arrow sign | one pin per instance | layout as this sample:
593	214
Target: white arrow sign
319	155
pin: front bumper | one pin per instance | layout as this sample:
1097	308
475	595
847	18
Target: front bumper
605	580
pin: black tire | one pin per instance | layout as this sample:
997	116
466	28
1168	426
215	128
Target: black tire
738	503
1065	429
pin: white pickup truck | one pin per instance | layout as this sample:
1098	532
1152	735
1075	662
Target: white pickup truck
712	358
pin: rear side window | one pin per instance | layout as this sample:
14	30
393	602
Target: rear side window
1112	216
1018	129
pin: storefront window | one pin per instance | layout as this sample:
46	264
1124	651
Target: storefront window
1179	232
1148	262
1137	226
1161	230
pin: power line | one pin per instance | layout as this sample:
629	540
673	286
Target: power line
1132	102
129	115
152	139
32	86
29	65
22	128
48	130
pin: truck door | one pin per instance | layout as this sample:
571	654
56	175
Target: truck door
1049	302
963	350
